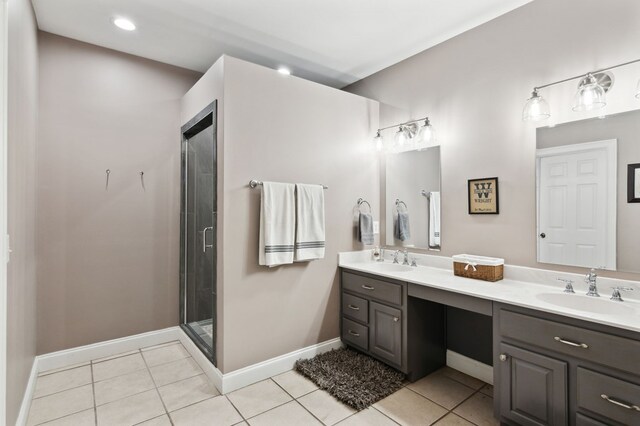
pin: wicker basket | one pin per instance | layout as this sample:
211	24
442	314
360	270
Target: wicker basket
478	267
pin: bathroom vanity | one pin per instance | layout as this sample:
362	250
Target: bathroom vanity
558	358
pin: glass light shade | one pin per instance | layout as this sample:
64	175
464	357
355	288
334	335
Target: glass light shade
638	90
377	142
401	138
536	108
590	95
427	134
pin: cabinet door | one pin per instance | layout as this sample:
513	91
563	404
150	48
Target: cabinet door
532	387
385	332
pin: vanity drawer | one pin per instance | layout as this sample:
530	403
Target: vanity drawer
356	334
372	288
594	346
623	403
355	307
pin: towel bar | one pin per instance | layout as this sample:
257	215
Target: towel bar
255	183
362	201
398	202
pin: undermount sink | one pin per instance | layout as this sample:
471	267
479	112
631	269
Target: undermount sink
598	305
390	267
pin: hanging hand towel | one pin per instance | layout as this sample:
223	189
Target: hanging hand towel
309	222
401	230
277	223
434	219
365	228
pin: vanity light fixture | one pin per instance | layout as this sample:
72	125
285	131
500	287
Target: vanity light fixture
401	137
409	132
124	24
377	142
536	108
591	94
426	134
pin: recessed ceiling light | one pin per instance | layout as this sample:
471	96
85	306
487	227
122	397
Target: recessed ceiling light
284	70
124	24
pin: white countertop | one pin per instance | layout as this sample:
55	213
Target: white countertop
521	287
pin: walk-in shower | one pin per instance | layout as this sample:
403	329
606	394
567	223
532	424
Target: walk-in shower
198	230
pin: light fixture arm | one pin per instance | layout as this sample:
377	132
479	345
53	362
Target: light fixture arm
582	75
403	124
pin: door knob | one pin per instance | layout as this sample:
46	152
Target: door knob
503	357
543	235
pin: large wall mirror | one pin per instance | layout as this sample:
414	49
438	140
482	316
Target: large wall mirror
412	193
585	216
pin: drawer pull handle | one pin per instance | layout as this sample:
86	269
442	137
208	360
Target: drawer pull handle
355	308
353	333
619	404
570	343
368	287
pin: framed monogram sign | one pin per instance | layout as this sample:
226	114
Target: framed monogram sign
483	196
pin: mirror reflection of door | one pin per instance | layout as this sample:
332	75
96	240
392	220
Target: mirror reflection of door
577	204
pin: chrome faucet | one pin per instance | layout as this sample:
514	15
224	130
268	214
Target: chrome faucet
414	262
616	293
395	256
590	279
406	257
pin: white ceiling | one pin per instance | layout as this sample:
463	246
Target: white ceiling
333	42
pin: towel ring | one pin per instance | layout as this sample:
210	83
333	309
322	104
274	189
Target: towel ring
362	201
398	202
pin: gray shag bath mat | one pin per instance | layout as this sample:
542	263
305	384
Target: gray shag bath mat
351	377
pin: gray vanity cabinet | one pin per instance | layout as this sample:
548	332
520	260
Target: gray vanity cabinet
532	388
379	319
556	370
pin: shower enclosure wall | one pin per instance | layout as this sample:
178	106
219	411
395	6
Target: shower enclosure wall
198	230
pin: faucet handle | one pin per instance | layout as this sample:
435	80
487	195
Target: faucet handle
569	285
616	292
414	262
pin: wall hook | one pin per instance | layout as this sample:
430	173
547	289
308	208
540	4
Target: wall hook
142	180
106	186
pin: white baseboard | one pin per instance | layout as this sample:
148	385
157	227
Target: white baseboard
470	366
28	394
207	366
224	382
86	353
263	370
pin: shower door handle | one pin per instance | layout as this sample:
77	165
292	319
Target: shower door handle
205	246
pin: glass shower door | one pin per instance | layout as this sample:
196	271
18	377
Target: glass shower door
198	233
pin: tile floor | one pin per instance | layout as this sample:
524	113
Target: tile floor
162	385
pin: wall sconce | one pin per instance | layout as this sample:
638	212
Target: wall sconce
409	135
591	94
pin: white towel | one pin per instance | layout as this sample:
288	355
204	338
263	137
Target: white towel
310	232
434	219
277	223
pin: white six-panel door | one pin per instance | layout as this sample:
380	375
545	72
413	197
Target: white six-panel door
577	205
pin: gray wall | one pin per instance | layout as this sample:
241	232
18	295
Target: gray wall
624	127
282	128
107	260
22	134
474	87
